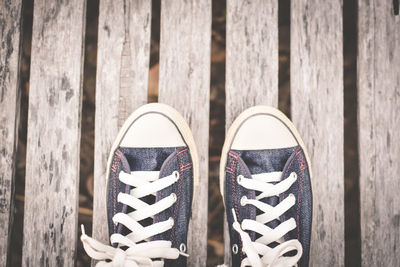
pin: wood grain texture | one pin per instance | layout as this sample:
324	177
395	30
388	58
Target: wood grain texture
251	55
379	139
121	86
52	165
317	111
251	63
10	51
185	84
134	58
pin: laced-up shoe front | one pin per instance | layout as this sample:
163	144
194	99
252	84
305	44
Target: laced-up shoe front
151	176
265	181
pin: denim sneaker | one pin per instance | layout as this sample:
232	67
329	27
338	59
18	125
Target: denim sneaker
265	183
151	175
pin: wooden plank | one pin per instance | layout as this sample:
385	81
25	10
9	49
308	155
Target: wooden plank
121	86
185	50
379	139
251	63
10	51
52	165
251	55
317	112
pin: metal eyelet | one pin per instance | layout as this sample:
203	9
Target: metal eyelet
182	247
176	174
239	179
294	175
235	249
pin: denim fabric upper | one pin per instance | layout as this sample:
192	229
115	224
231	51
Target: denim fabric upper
165	160
286	160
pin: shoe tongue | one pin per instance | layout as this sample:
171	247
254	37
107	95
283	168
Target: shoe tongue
140	159
147	159
264	161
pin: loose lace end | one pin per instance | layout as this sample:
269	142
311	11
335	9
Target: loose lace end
83	230
184	254
248	247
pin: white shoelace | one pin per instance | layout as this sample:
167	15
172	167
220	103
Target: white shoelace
139	253
269	184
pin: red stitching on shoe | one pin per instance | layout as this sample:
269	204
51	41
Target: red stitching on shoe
185	149
300	161
172	237
234	154
235	203
187	165
234	165
114	168
283	194
187	168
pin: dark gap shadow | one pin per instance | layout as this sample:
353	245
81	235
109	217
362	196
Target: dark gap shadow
15	250
351	158
284	57
215	231
396	7
85	215
152	94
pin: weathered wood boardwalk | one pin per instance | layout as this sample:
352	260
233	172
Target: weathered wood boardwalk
252	65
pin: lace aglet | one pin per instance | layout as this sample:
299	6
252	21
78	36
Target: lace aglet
83	229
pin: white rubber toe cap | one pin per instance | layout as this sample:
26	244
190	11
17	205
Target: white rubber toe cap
263	131
152	130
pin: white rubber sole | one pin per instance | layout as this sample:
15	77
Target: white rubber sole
174	116
230	136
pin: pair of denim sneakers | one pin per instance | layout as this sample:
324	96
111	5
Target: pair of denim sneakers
152	175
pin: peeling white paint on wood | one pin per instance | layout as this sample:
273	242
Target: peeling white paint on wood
52	165
10	50
379	138
317	111
251	63
185	59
